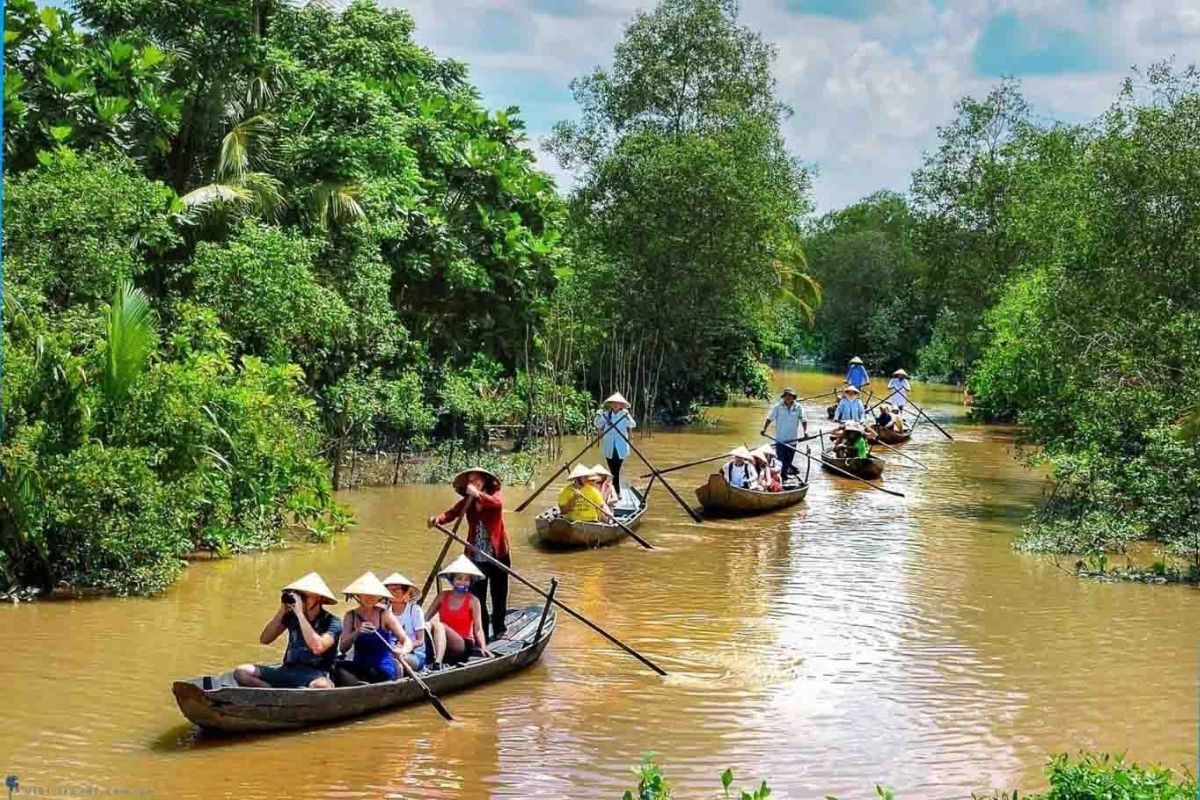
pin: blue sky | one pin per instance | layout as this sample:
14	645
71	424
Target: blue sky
870	80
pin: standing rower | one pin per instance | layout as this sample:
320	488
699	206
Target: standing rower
857	375
614	445
899	387
788	417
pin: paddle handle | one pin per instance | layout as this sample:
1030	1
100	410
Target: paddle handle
437	565
521	579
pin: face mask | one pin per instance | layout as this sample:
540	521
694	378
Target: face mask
460	588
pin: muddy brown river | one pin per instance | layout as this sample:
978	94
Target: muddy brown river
856	638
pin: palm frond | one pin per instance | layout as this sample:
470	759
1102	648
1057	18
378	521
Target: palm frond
129	342
238	156
334	203
204	196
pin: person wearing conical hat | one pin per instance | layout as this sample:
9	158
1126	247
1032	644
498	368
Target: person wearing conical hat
769	469
406	605
850	407
580	500
616	422
854	441
899	387
312	639
856	375
457	625
884	418
788	416
484	508
373	631
739	472
603	478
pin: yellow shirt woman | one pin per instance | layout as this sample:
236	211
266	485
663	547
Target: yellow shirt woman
577	509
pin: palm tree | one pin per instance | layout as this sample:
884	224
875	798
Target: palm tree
129	342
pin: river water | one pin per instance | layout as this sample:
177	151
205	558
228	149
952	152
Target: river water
854	639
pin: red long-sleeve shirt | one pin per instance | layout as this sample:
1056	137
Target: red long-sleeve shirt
487	509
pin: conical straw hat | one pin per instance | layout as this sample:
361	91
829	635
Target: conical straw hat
616	397
900	373
462	566
581	471
600	469
312	584
396	579
856	360
741	452
460	480
850	389
367	584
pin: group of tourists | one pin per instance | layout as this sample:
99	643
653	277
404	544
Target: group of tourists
387	631
758	470
590	494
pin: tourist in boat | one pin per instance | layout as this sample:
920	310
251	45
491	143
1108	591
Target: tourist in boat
457	625
856	375
603	479
373	631
853	443
899	387
481	501
770	477
312	639
788	417
739	472
616	421
580	500
406	605
850	407
885	420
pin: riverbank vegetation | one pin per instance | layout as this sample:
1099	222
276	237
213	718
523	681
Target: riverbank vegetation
246	244
1052	267
1088	777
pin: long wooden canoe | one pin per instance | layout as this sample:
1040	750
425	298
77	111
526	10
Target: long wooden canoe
718	497
229	708
555	530
889	436
868	468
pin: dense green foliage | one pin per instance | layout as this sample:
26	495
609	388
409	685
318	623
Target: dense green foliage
1054	268
240	242
686	213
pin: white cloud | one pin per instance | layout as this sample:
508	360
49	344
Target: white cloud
868	94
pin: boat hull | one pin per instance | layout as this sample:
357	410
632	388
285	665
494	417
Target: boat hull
229	708
889	436
867	468
719	498
554	530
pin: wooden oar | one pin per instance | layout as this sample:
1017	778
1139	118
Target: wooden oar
565	466
446	531
921	413
841	471
901	453
437	565
678	467
433	699
614	520
691	513
818	396
881	402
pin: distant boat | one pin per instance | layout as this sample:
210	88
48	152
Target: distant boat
719	498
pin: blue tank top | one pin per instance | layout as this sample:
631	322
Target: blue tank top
369	651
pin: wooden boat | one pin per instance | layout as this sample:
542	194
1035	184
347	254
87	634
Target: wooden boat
217	703
718	497
868	468
889	436
555	530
